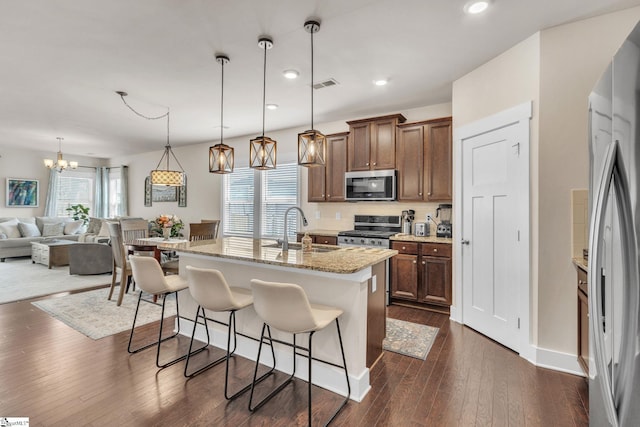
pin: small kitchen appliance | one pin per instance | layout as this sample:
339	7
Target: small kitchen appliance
407	220
444	228
421	229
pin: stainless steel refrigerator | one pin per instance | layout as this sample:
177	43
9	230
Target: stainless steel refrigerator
614	247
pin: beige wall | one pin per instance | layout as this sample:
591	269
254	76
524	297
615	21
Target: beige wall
556	69
573	57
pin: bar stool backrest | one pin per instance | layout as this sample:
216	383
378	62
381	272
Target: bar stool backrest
284	306
210	289
148	274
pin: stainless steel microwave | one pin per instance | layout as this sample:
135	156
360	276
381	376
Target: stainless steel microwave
370	185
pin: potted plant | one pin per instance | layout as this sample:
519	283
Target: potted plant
79	212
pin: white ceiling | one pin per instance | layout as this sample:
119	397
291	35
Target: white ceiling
61	62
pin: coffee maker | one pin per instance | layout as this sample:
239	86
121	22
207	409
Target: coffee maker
444	228
407	220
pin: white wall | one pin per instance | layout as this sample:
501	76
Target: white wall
556	69
29	164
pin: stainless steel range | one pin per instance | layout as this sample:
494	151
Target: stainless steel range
371	230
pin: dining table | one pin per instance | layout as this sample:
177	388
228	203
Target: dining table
150	244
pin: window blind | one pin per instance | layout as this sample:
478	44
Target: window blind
279	192
238	202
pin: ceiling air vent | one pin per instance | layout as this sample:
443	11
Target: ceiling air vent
326	83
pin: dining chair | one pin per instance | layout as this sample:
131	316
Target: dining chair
214	221
133	229
203	231
120	261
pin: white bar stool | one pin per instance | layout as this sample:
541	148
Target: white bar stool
149	277
285	306
211	291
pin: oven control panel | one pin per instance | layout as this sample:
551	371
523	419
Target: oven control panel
363	241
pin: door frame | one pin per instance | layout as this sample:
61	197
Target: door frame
520	116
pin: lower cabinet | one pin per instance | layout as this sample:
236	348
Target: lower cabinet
421	274
319	239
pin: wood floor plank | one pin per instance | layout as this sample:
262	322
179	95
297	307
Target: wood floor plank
58	377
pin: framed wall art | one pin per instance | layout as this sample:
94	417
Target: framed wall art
182	194
147	191
22	193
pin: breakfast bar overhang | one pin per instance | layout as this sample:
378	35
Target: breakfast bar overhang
350	278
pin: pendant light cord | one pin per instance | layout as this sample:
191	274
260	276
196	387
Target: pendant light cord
222	103
264	88
312	28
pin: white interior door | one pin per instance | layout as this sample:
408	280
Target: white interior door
490	252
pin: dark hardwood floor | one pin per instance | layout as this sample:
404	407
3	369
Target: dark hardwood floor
58	377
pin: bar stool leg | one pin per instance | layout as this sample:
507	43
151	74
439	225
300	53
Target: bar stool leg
193	334
255	372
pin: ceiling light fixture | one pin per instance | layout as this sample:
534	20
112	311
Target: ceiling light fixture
221	158
168	177
381	82
262	149
291	74
311	143
60	164
475	7
272	106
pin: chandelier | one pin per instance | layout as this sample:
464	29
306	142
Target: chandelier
262	149
311	143
60	164
166	176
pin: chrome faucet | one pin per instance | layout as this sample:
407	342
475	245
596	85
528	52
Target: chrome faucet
285	241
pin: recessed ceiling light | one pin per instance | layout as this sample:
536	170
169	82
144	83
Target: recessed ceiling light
291	74
380	82
272	106
475	7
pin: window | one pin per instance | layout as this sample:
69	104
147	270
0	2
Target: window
74	188
255	201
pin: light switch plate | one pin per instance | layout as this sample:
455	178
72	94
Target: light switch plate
317	214
338	215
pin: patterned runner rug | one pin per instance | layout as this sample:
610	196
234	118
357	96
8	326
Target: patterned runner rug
409	339
96	317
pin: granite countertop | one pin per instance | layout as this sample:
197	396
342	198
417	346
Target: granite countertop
581	263
318	232
327	258
426	239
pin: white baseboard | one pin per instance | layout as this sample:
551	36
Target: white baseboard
325	376
558	361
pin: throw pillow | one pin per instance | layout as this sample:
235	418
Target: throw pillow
94	225
104	229
10	228
28	230
73	227
3	236
49	230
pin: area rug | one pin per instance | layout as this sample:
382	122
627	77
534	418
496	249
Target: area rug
409	339
20	280
96	317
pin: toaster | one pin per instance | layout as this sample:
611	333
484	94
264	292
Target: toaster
421	229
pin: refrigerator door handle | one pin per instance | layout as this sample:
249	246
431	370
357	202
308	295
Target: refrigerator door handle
595	315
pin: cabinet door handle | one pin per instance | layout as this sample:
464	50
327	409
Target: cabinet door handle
419	194
328	195
366	164
414	261
435	249
374	163
424	262
428	194
404	247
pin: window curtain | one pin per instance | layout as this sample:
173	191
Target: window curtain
124	191
101	199
50	204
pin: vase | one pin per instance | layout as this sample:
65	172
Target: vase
166	233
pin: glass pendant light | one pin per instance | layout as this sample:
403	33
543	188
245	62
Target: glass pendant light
60	164
262	149
311	143
221	155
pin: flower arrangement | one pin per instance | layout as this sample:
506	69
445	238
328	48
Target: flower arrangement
171	222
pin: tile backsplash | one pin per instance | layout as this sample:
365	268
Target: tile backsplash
579	222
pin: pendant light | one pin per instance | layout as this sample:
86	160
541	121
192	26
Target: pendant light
168	177
60	164
311	143
262	149
221	155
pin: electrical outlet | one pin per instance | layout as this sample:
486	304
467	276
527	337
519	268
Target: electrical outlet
338	215
429	219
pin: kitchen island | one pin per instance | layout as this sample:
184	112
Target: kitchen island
351	278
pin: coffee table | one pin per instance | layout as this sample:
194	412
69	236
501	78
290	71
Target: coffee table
52	253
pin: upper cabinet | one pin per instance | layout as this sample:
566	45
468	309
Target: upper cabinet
372	143
326	183
424	161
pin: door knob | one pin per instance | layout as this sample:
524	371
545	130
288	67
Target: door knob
464	242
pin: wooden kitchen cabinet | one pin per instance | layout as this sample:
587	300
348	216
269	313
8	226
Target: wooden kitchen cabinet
424	161
583	321
326	183
372	143
421	275
320	239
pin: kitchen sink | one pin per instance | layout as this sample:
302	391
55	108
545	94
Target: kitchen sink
298	247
